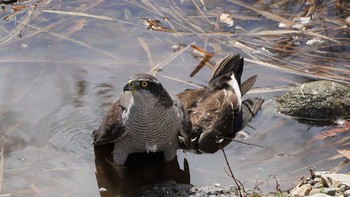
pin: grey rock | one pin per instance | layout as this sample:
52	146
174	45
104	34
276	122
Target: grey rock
346	193
318	102
334	179
166	188
343	187
330	191
302	190
319	195
315	191
213	190
318	185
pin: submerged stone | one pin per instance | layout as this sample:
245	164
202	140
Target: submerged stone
318	102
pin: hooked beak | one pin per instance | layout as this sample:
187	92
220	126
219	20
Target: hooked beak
129	87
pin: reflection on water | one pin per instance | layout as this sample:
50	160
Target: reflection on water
139	170
59	72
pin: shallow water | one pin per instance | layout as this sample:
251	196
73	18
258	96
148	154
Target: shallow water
59	77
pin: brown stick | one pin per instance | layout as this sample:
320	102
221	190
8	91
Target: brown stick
237	182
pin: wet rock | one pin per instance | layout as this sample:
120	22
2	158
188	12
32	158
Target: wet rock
332	185
343	187
318	185
302	190
318	102
171	188
322	184
166	188
330	191
319	195
346	193
315	191
213	190
334	179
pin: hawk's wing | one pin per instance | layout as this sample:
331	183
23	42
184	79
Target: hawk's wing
112	127
185	131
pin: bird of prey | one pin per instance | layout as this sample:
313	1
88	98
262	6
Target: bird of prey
216	111
146	118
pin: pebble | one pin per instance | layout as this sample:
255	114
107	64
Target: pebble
346	193
319	195
315	191
321	184
330	191
318	185
303	190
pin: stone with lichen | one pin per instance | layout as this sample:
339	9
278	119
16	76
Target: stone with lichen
318	102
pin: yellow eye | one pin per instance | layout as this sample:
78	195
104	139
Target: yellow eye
144	84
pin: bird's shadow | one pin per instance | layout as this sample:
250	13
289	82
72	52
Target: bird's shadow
140	169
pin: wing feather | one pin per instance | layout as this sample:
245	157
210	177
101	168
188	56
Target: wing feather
112	127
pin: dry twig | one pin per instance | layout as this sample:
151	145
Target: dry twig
240	186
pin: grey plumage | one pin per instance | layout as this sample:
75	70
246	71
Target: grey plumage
146	118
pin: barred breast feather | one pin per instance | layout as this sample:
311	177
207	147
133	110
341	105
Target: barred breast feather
146	118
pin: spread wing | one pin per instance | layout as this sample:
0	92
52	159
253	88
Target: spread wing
112	127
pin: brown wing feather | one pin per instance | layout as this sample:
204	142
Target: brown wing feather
217	105
189	97
112	128
212	109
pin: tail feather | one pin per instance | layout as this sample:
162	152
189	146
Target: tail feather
222	73
247	84
231	63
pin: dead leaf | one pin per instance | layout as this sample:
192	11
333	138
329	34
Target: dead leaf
227	19
17	8
154	25
205	59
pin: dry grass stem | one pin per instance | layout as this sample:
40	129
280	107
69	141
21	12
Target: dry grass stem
268	90
181	81
21	24
106	18
111	55
145	47
240	187
241	142
163	63
48	27
339	79
264	13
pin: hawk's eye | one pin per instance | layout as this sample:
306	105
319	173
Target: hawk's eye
144	84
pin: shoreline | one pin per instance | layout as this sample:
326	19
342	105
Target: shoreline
315	184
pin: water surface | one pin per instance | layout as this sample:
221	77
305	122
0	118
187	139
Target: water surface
60	71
